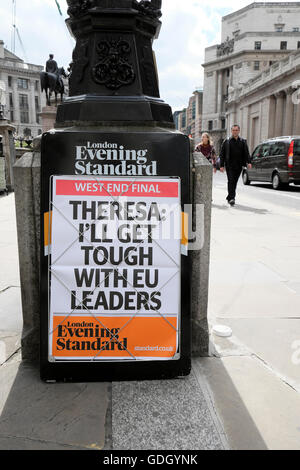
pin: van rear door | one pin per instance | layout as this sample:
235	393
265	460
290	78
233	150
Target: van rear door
296	167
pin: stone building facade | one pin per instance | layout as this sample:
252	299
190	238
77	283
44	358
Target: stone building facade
253	39
24	99
269	104
189	120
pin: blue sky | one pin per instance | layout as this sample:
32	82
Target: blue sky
187	28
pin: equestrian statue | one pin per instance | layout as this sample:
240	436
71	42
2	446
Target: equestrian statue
51	80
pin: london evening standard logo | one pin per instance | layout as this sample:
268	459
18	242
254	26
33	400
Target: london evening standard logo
110	159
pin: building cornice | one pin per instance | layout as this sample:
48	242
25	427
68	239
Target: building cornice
269	77
252	52
261	5
20	71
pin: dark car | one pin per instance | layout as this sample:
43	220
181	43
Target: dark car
276	161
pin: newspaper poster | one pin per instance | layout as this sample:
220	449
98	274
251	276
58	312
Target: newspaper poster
114	268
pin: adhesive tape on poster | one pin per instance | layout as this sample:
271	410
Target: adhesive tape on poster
222	330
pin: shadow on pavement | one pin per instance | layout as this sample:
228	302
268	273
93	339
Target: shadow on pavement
254	210
223	207
160	415
40	416
226	207
241	431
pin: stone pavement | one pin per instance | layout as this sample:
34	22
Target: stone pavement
242	397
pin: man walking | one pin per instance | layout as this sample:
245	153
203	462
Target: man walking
234	156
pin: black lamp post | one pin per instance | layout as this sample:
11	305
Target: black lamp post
113	73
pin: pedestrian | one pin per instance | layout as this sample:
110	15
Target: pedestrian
234	156
206	147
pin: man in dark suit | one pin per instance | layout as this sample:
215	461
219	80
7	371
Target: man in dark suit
234	156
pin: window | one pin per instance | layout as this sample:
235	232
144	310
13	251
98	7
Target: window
278	29
194	110
298	45
37	109
278	148
210	125
9	79
11	102
256	65
283	45
223	123
24	113
257	152
36	85
24	117
297	148
27	132
265	150
183	120
296	30
23	83
23	100
257	45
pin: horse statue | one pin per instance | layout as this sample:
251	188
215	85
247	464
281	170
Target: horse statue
53	83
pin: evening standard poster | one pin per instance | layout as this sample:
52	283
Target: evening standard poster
114	269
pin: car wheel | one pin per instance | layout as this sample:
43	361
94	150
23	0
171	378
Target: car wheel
246	180
276	183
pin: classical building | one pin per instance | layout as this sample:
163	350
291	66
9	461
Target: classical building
189	120
24	99
252	40
269	104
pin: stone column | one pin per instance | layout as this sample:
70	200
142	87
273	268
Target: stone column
32	111
16	100
289	113
245	122
272	112
200	258
27	195
220	89
297	123
6	130
279	113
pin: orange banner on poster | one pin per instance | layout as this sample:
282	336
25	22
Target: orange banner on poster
114	337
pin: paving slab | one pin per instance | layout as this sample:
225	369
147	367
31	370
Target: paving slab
10	343
275	341
35	415
258	410
163	415
11	310
267	301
